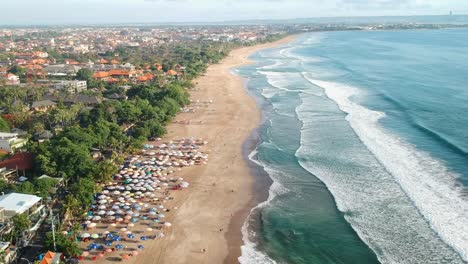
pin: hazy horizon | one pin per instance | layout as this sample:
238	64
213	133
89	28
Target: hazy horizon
56	12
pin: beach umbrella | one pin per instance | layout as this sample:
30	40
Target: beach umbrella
152	213
92	246
134	220
108	250
149	229
85	253
161	216
110	213
140	247
144	218
100	255
134	253
128	232
144	238
94	236
119	246
93	224
102	212
131	236
105	192
102	201
167	224
102	207
128	217
108	243
116	238
87	222
85	235
64	232
123	229
102	197
125	256
131	225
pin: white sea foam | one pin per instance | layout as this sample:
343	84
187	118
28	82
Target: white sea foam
289	54
250	252
275	65
426	181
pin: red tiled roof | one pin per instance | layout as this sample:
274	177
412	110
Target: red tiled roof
119	73
101	75
171	72
20	161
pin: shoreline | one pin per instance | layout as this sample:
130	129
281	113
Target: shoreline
211	214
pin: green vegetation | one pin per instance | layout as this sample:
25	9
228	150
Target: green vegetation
4	127
63	244
21	223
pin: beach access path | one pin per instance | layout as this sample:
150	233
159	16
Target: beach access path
211	212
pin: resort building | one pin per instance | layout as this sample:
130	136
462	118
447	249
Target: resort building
10	142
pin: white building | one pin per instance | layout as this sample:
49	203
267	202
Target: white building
72	87
18	203
10	141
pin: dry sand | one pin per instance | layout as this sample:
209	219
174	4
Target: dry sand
212	210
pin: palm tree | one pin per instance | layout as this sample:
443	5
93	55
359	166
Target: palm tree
71	205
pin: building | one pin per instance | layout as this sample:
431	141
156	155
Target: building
20	163
62	70
71	87
87	100
18	203
9	250
51	258
12	79
42	106
7	174
10	141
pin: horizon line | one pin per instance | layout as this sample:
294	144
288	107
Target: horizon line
221	22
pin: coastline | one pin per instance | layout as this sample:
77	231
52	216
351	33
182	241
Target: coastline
211	213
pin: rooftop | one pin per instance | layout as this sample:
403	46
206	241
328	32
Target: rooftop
18	202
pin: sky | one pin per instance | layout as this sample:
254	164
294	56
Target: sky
153	11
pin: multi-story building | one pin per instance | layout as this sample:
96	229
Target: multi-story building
71	87
18	203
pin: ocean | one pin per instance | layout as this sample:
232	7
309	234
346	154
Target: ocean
365	137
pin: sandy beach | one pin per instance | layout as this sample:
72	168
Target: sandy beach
203	221
211	212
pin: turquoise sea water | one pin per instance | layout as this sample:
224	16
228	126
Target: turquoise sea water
366	140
